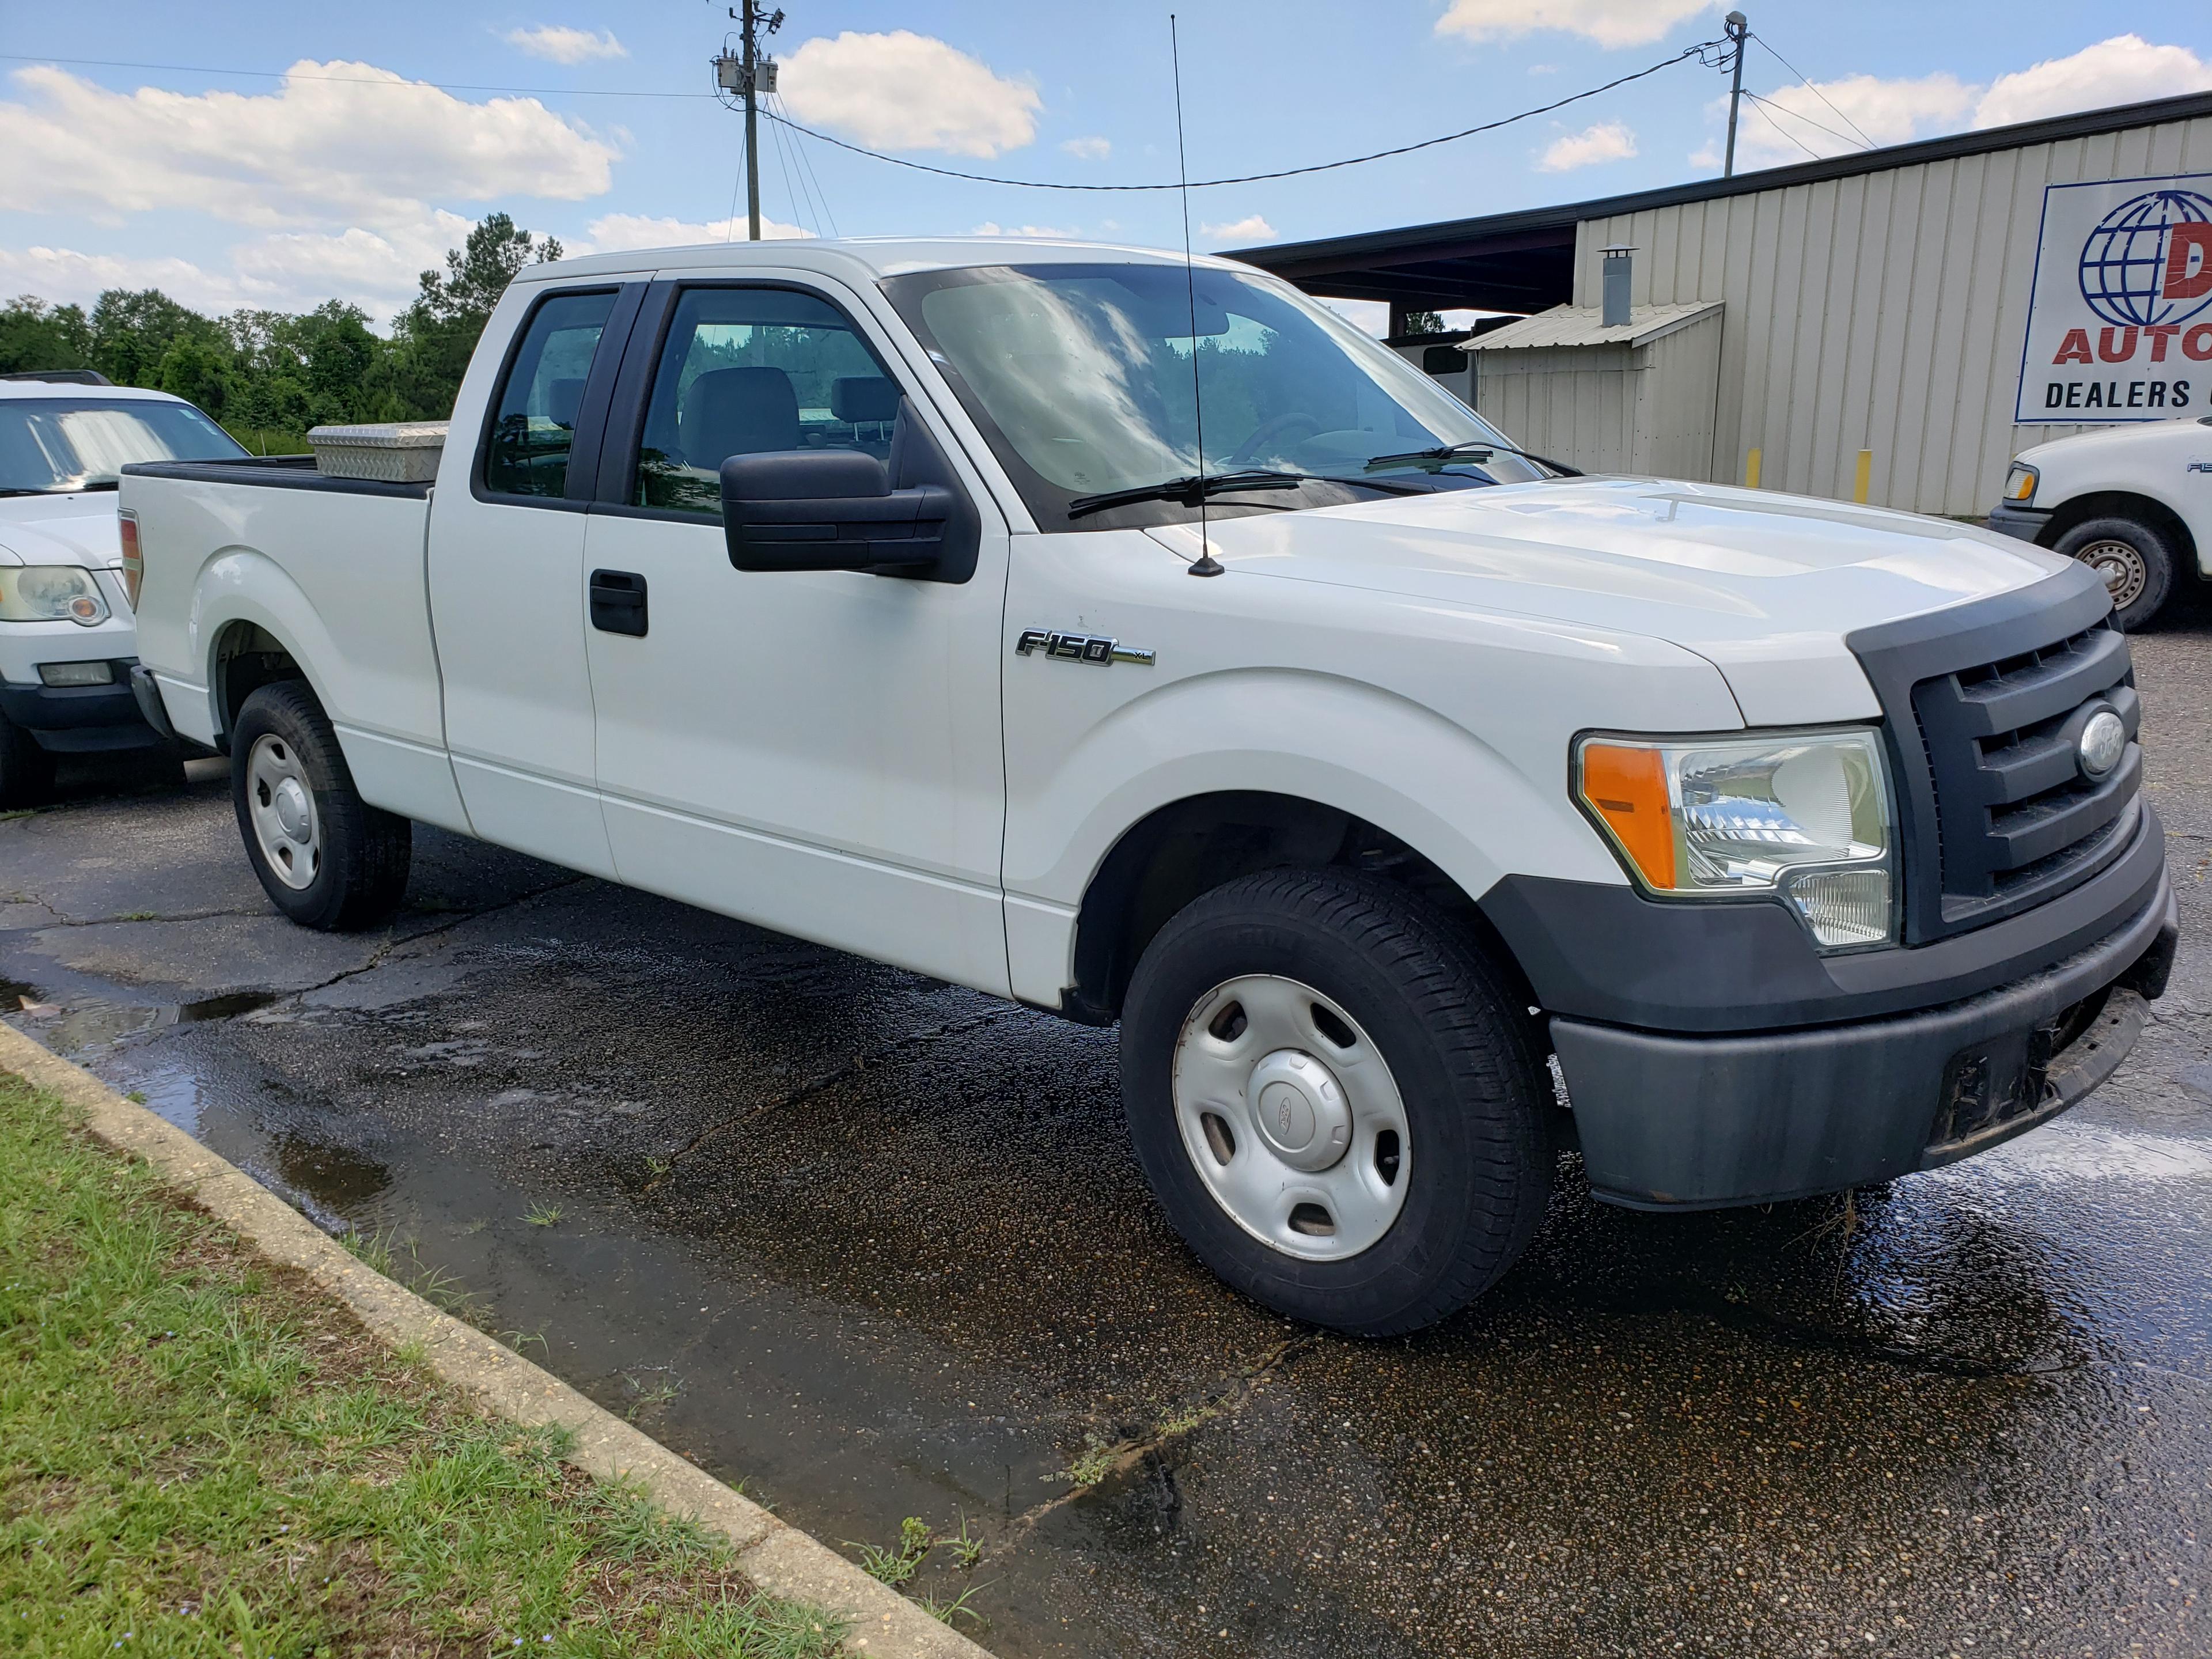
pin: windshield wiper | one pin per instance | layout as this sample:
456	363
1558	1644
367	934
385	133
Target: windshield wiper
1190	490
1475	449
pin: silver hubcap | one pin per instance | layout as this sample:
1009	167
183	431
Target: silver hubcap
282	808
2123	568
1291	1118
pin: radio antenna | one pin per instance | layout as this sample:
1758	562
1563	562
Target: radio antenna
1205	564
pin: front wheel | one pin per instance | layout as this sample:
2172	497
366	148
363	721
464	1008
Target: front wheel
2136	560
326	858
1339	1101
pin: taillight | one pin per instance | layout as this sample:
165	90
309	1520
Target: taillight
134	562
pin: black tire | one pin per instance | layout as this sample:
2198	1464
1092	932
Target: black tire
1462	1054
360	875
26	771
2137	559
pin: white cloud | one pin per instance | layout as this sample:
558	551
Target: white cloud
1609	141
1608	22
337	142
1368	316
1088	149
2124	69
1250	228
65	276
563	44
1038	233
617	233
908	91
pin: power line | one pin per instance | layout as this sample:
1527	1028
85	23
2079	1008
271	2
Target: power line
1796	115
1816	91
807	170
351	80
1258	178
1767	109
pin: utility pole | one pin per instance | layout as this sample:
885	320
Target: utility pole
749	72
1737	26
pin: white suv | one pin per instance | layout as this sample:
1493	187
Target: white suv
67	640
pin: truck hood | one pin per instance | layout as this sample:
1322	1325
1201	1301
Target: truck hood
1765	586
71	529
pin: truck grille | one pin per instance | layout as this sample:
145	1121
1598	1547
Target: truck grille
1983	721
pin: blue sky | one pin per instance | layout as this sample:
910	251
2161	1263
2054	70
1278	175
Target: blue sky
232	189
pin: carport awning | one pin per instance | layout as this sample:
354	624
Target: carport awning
1514	269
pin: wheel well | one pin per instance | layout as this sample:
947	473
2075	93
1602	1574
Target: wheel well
1191	847
2123	504
247	658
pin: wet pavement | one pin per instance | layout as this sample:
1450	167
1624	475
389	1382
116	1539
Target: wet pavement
878	1248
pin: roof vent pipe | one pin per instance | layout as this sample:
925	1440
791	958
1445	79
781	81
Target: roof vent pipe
1616	268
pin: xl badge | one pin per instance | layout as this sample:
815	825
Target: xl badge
1098	648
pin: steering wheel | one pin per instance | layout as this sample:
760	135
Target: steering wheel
1243	454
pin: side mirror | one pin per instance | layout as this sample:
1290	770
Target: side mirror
830	509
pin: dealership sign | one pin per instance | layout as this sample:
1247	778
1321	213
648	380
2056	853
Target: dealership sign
2119	322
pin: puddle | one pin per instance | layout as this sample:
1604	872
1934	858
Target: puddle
97	1023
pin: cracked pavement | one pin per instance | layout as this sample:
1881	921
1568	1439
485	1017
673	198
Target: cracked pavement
876	1246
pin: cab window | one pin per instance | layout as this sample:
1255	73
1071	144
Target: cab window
746	370
534	427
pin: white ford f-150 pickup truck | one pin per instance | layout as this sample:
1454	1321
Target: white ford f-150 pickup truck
2132	502
1415	808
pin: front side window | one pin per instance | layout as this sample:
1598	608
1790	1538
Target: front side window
746	370
57	446
1081	378
534	428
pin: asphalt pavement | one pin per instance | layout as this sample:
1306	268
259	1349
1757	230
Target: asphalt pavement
878	1248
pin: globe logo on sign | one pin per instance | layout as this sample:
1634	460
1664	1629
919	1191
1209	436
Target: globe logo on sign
2124	262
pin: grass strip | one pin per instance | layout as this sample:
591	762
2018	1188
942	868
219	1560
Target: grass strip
201	1456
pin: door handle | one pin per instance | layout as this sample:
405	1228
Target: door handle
618	602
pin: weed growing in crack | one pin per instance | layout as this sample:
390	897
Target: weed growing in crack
897	1564
140	915
543	1215
1094	1464
644	1398
946	1612
1182	1422
965	1551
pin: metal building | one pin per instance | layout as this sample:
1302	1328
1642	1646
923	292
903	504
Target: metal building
1874	318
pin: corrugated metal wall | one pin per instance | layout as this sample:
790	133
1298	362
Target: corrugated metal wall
1611	408
1884	311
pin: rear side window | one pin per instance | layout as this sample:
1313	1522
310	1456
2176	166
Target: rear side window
535	426
750	369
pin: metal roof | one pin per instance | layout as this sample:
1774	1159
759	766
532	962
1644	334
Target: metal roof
1584	325
1524	260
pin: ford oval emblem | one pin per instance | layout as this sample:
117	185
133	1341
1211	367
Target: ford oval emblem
2103	740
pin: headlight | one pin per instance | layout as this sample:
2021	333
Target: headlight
51	592
2020	484
1802	816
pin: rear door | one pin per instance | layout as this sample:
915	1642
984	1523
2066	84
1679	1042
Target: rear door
815	751
506	563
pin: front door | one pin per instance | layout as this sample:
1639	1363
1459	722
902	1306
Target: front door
818	753
507	564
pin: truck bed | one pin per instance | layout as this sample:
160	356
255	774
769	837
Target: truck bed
274	472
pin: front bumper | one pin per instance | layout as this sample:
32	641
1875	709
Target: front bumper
2026	523
79	719
1700	1122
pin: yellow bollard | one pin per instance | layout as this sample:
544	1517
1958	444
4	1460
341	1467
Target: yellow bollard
1865	476
1751	471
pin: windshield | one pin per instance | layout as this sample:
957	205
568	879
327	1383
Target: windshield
1079	376
55	445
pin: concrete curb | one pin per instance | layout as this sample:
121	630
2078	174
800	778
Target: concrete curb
780	1559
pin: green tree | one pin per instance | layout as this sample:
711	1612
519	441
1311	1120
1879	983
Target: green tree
435	336
132	333
34	335
198	370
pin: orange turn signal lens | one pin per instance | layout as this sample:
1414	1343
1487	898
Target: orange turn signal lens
1626	787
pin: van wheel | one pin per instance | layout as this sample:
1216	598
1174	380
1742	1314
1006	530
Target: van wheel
326	858
2136	560
26	771
1337	1099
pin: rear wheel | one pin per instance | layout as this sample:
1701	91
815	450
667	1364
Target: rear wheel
1337	1101
26	771
2136	559
326	858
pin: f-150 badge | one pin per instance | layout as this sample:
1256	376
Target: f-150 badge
1080	647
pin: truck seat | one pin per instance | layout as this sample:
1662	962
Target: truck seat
737	412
